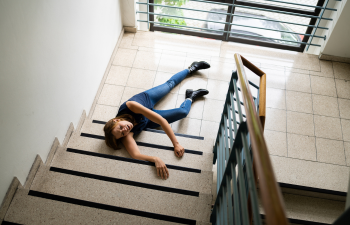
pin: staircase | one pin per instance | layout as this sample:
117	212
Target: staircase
89	183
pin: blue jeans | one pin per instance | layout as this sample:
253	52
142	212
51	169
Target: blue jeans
157	93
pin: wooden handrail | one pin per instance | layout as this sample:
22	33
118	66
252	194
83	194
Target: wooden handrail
270	192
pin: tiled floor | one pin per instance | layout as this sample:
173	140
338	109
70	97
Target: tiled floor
308	100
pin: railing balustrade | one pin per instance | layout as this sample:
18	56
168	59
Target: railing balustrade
241	155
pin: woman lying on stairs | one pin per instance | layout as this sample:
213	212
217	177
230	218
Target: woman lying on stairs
137	113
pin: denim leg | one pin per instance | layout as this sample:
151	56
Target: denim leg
157	93
172	115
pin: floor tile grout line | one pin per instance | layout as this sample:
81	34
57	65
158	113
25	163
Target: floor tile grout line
341	124
310	160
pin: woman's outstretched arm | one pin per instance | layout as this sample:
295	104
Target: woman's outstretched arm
155	117
131	146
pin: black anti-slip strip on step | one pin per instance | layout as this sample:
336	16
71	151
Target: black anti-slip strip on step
312	189
145	144
130	160
176	134
111	208
9	223
302	222
159	131
126	182
167	148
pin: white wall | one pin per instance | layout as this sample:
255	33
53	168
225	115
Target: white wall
53	54
338	41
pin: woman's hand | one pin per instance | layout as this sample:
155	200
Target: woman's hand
162	171
179	150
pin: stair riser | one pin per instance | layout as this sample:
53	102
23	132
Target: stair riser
202	162
126	196
200	182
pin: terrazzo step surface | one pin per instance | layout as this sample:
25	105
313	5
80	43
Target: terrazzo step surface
205	145
200	181
28	209
311	174
305	209
129	196
193	159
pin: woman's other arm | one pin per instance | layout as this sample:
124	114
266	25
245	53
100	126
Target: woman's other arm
131	146
155	117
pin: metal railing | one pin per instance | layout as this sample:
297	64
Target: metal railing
316	16
242	159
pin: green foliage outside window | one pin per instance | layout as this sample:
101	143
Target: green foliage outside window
171	11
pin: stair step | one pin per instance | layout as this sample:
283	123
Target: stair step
311	174
192	180
29	208
205	145
123	195
309	210
202	162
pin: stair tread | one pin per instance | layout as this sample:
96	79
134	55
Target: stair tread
27	209
205	145
203	162
310	173
312	209
200	182
123	195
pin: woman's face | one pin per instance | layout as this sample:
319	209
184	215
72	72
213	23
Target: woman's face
122	128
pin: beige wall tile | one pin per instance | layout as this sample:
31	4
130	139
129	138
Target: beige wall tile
221	70
129	92
347	152
301	147
187	126
275	81
343	88
300	123
171	63
345	124
209	129
212	110
311	174
197	106
328	127
167	102
162	77
147	60
139	78
124	57
299	101
344	108
330	151
104	112
193	83
323	86
118	75
111	95
341	70
276	142
326	69
298	82
217	89
275	120
325	105
275	98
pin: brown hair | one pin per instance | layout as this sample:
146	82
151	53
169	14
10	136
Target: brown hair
110	140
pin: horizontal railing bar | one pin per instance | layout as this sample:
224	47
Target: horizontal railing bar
248	35
281	12
257	8
312	6
250	17
233	24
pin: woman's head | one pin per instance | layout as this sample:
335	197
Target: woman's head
117	128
